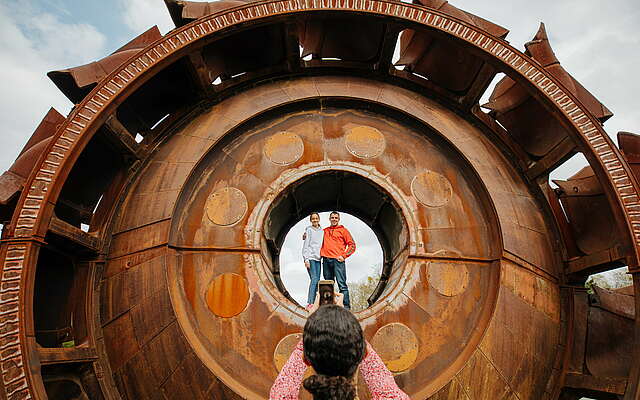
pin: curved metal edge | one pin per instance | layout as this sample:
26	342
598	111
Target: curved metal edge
29	214
256	220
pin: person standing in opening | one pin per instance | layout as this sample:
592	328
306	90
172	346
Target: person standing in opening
336	247
313	235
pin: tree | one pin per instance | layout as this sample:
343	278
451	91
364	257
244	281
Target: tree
360	291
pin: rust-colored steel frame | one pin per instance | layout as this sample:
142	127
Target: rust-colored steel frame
35	206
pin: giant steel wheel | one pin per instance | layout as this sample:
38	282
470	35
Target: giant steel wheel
140	249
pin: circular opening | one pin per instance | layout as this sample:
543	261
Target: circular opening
366	210
363	268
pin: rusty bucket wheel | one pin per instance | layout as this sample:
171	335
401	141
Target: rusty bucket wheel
146	307
333	169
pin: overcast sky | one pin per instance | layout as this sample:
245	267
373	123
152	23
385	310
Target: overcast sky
597	42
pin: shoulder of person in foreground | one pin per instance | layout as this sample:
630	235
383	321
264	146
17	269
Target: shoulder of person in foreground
379	379
287	384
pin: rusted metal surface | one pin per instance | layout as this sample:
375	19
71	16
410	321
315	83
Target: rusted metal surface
365	142
536	129
583	200
608	341
431	189
284	148
226	206
12	180
183	12
227	295
77	82
185	298
540	50
335	38
590	219
440	60
630	146
397	345
202	246
616	301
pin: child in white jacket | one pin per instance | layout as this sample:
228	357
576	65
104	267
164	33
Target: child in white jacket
313	236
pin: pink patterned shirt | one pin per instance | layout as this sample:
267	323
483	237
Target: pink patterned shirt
378	378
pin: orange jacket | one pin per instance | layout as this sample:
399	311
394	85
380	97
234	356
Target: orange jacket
336	240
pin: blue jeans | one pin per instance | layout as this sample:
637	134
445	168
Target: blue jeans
332	269
314	274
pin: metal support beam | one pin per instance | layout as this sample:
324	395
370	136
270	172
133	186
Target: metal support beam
480	84
559	154
602	260
50	356
200	73
599	384
121	137
76	235
292	47
389	42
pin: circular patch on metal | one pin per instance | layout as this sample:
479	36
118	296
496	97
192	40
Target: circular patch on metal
397	345
226	206
283	351
227	295
449	279
284	348
284	148
431	189
365	142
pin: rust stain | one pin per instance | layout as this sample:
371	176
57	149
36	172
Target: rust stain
226	206
448	279
188	277
431	189
284	148
397	345
227	295
283	351
365	142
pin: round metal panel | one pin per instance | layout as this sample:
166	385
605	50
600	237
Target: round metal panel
449	279
227	295
431	189
284	348
365	142
397	345
226	206
284	148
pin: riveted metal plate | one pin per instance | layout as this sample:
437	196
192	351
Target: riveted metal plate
449	279
226	206
397	345
365	142
227	295
431	189
284	148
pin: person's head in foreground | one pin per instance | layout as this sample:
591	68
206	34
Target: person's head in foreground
334	346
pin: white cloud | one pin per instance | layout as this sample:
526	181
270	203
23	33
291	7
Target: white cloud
33	44
140	15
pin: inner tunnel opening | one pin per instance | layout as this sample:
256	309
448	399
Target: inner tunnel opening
363	268
361	203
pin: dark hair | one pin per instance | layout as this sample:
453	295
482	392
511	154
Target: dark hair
334	212
334	346
314	213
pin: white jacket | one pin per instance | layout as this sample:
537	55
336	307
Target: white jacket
312	243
